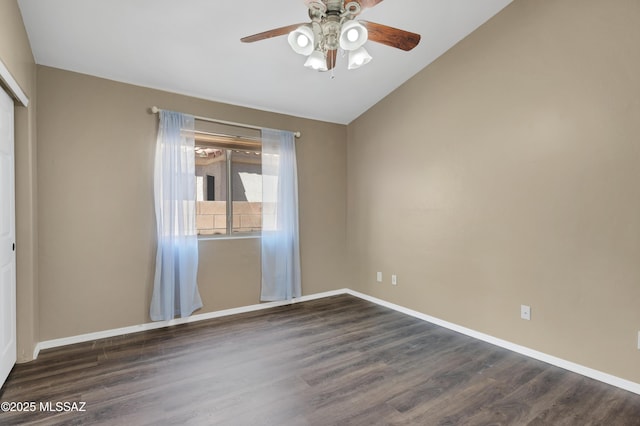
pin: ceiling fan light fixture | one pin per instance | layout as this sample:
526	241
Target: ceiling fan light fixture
302	40
358	58
317	61
353	35
334	27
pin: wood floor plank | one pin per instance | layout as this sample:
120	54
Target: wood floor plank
334	361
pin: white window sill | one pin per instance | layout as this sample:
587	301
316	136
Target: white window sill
227	237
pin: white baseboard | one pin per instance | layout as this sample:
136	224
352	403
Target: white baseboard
523	350
88	337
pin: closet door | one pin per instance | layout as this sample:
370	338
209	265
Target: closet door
7	240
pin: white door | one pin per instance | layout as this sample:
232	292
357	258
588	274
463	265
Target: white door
7	240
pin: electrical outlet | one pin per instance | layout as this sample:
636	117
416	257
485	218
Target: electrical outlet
394	279
525	312
639	340
379	277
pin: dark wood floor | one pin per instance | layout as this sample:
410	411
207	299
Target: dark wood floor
339	360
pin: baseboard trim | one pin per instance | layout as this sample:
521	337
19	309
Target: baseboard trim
523	350
88	337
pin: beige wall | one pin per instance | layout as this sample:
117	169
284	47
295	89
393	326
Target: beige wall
15	53
96	146
511	176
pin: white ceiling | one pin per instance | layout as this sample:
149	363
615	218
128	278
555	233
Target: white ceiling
193	47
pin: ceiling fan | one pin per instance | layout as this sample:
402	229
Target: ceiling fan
333	26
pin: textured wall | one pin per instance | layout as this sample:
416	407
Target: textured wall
508	173
15	53
96	147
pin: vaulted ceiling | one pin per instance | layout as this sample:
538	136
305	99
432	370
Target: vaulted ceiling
193	47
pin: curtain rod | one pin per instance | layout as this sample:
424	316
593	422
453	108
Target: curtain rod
155	110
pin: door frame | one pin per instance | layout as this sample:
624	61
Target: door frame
8	316
10	86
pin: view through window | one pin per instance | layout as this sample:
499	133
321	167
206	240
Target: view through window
228	190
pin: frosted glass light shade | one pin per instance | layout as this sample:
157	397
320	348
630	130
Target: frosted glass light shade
302	40
317	61
358	58
353	35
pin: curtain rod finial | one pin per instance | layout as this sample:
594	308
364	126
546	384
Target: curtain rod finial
155	109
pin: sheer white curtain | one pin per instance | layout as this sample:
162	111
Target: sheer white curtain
175	291
280	241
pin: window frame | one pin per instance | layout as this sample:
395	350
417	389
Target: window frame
229	144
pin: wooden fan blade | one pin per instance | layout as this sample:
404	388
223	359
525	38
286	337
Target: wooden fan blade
271	33
390	36
332	55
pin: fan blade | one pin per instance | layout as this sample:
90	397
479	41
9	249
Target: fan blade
271	33
390	36
332	55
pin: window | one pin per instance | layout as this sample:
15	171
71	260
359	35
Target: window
228	189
